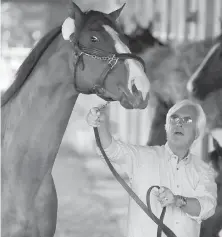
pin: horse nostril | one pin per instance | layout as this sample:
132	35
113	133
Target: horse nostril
194	89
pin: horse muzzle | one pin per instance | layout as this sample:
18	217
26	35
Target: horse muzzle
133	100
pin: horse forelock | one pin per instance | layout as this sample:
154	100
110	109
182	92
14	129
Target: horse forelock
95	17
92	17
29	64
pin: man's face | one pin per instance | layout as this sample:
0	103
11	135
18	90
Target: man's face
182	130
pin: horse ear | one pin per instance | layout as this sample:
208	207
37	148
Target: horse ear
115	14
75	12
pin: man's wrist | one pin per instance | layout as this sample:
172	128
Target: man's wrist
180	201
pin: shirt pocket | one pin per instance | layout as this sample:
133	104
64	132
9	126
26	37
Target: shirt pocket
193	177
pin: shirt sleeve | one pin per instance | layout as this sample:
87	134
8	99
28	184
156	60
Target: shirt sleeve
206	193
126	156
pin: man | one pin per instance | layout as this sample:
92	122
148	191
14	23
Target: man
188	189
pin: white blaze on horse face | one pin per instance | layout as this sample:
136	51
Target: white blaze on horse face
137	75
200	68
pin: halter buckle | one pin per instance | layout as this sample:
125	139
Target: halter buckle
113	61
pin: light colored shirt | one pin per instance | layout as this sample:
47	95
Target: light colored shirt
158	165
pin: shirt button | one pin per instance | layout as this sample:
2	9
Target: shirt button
177	168
177	222
178	186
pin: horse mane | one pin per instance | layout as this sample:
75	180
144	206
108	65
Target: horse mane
29	64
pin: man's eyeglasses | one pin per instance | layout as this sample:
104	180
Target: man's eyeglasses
178	120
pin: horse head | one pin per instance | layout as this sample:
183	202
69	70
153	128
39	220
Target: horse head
208	76
101	51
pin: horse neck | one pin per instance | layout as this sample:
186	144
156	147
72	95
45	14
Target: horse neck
34	121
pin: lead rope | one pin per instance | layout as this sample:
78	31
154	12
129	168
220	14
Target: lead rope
147	209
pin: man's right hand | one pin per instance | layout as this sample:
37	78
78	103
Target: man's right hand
96	117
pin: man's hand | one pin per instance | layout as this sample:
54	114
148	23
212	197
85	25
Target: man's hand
96	116
165	196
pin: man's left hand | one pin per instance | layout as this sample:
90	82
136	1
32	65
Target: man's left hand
165	196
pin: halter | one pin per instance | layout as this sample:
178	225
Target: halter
112	60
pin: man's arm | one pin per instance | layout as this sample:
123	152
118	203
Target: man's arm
190	206
203	204
98	118
119	153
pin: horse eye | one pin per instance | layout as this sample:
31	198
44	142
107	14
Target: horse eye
94	39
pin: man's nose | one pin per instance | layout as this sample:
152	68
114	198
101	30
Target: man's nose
179	123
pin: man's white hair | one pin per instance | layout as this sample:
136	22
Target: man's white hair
201	117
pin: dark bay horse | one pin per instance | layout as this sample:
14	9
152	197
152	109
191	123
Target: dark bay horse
37	107
208	76
169	68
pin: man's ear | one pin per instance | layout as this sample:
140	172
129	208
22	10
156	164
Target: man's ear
167	127
197	135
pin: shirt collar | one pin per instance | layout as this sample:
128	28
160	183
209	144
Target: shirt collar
185	160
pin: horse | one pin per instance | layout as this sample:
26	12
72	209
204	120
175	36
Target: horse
208	76
86	54
169	68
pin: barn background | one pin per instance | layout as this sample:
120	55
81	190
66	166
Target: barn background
91	202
